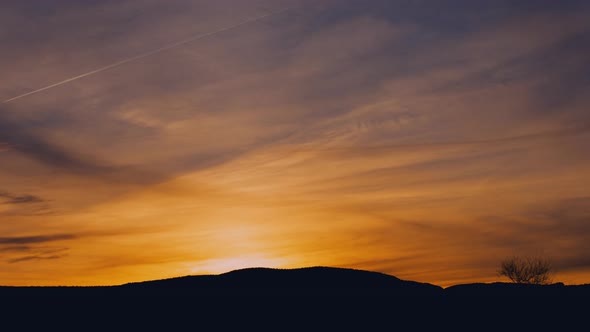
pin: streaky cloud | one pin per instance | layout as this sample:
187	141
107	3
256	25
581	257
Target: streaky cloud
17	248
34	257
16	240
565	132
18	137
16	134
9	198
149	53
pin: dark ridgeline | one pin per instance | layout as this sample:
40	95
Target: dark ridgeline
315	298
312	281
501	289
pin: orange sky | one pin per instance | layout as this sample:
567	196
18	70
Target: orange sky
426	141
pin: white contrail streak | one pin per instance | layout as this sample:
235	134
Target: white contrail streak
150	53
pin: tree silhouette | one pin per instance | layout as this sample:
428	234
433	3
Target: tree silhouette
527	270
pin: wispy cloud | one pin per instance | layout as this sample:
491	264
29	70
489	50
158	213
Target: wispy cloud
8	198
18	137
420	139
36	239
18	248
39	247
35	258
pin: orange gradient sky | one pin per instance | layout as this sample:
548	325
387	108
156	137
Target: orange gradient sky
424	139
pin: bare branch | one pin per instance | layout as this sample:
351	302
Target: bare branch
528	270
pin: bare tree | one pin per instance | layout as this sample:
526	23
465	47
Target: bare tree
527	270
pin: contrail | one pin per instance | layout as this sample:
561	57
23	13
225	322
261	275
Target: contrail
149	53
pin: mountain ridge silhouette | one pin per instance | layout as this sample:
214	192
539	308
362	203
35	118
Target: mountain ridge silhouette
305	281
311	298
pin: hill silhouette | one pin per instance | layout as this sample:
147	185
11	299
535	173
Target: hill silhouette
314	298
501	289
311	281
293	282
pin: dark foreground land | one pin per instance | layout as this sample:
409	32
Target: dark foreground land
339	298
304	282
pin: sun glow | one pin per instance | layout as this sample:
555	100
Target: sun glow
226	264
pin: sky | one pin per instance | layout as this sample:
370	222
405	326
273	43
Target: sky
428	140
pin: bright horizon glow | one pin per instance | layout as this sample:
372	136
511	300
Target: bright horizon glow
223	265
